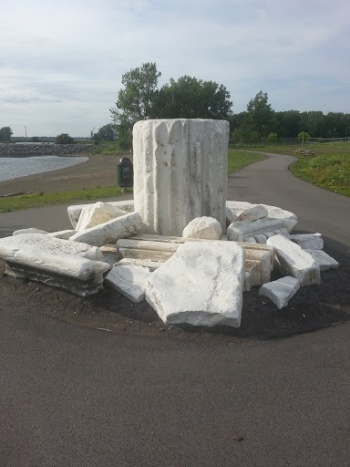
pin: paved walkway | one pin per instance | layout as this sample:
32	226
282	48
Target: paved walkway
76	396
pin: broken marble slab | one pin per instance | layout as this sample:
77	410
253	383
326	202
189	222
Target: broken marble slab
9	246
76	267
152	244
264	259
75	210
323	260
281	290
130	280
240	230
30	230
109	253
253	214
203	227
231	216
146	263
289	218
295	261
97	213
154	255
201	284
62	234
308	241
124	226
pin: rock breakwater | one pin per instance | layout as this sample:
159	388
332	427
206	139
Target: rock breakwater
43	149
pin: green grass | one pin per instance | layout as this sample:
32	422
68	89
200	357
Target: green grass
329	168
236	160
109	149
38	200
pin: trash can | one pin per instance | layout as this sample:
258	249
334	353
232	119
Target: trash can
125	173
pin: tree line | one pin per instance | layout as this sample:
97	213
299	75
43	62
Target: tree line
189	97
261	122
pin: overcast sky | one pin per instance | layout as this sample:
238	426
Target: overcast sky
61	62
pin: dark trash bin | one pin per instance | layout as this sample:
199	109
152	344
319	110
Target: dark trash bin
125	173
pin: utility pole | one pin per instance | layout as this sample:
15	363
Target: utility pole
25	131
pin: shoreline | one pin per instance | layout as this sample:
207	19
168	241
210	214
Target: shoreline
97	171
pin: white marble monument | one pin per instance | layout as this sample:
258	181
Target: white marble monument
180	172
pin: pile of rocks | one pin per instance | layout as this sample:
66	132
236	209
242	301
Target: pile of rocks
197	278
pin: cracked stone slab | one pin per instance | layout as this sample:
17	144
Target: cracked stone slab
201	284
280	291
295	261
130	280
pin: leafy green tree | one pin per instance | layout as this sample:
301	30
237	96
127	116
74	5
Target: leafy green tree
5	134
106	133
64	138
189	97
272	138
35	139
136	101
185	98
259	116
287	124
303	136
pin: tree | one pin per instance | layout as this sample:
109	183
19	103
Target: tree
303	136
5	134
189	97
64	138
272	138
185	98
106	133
136	101
259	116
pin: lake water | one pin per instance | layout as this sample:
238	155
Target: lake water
15	167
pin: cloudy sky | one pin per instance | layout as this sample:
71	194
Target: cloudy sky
61	62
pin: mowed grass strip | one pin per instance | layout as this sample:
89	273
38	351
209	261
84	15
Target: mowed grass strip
236	161
38	200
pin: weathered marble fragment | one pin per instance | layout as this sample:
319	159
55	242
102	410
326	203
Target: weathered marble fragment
281	290
9	246
30	230
241	230
203	227
146	263
295	261
75	210
253	214
324	260
202	284
180	172
61	263
97	213
130	280
231	216
111	231
274	212
308	241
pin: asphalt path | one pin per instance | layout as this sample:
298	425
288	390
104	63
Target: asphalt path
72	396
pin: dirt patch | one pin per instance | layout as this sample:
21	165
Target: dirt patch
310	309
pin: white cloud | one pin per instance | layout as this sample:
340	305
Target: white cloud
62	62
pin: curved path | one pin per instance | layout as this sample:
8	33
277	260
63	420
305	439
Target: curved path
77	396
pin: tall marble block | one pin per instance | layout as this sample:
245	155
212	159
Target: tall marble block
180	172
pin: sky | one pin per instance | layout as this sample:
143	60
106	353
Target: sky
61	62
